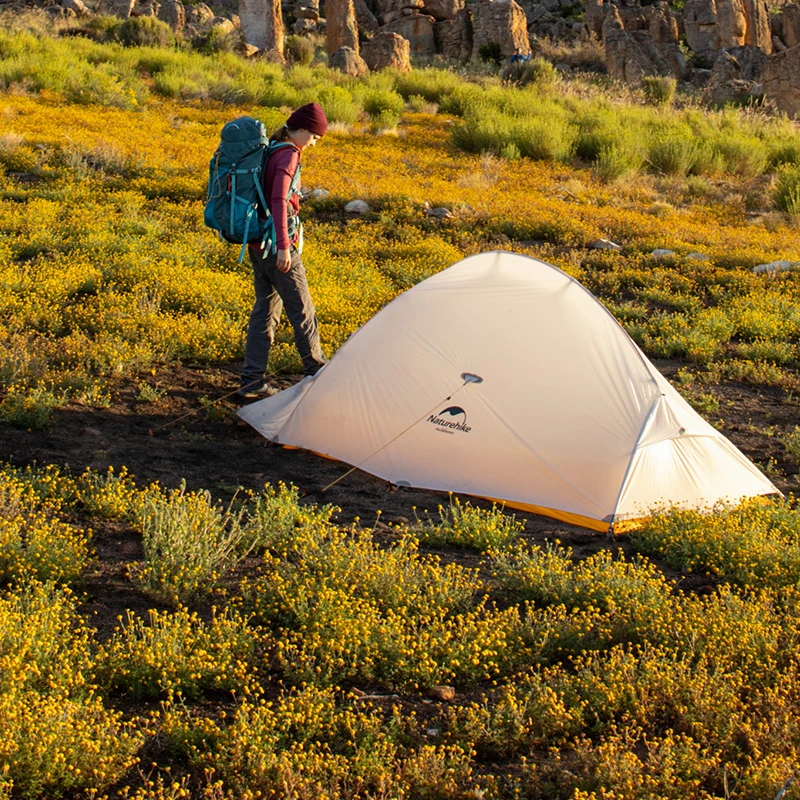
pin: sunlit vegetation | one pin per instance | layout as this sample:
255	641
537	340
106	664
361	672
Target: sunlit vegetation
563	671
283	654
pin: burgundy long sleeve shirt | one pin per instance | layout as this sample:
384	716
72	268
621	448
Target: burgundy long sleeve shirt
281	167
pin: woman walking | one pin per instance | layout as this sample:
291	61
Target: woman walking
278	273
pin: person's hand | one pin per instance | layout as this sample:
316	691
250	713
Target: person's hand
284	260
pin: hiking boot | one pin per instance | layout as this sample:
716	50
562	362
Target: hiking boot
256	391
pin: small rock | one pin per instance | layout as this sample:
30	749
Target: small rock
249	50
446	693
698	257
357	207
775	266
605	244
92	431
662	253
440	212
401	520
432	733
318	194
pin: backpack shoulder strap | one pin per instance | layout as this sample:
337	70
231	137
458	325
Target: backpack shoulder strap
273	146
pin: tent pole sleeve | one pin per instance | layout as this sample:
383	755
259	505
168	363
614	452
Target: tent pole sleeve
634	450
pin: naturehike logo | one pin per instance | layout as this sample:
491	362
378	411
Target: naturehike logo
450	420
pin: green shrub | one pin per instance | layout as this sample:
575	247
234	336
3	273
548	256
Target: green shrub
463	100
338	104
103	27
523	73
786	194
468	526
145	32
379	102
189	544
216	40
298	50
671	153
616	160
546	138
659	90
432	84
490	53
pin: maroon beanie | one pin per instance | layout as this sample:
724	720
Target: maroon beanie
311	117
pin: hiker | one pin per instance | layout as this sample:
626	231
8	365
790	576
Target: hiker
278	272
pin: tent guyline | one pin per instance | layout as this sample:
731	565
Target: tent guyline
572	420
467	377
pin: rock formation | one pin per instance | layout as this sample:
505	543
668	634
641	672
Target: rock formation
306	16
726	84
453	37
499	22
173	13
418	29
790	27
367	21
387	50
781	80
342	30
347	60
713	25
262	25
632	54
642	42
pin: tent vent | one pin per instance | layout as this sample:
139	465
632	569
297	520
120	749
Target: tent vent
468	377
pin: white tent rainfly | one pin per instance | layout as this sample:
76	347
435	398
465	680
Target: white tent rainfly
502	377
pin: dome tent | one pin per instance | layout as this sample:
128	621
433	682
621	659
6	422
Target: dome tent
502	377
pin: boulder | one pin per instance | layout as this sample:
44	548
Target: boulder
418	29
387	50
453	37
751	60
593	18
150	9
342	30
173	13
501	22
201	16
349	62
443	9
790	28
661	23
303	25
365	19
358	207
78	6
605	244
781	80
307	9
713	25
726	84
390	10
262	25
776	266
632	55
118	8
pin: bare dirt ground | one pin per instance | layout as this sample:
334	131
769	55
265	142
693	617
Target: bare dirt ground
190	432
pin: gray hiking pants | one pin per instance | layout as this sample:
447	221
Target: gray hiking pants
275	291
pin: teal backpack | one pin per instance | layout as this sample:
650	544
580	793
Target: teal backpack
235	204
